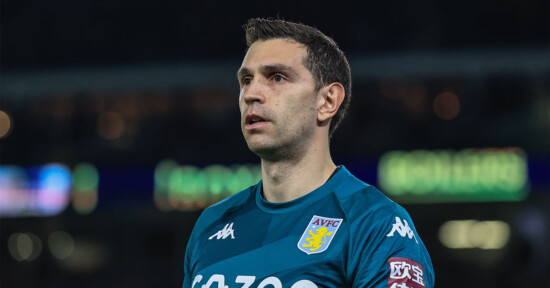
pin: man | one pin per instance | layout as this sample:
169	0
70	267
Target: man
308	223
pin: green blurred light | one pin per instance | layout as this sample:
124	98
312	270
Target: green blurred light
188	187
182	182
85	177
85	185
162	176
444	175
218	177
162	173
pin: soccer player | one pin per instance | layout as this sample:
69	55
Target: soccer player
308	223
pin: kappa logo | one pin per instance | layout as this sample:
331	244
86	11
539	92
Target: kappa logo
224	233
318	234
403	229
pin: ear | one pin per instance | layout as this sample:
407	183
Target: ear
331	97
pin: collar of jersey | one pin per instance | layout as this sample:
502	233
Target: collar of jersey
303	201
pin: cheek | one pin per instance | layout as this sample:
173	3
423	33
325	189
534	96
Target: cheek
303	115
306	107
241	104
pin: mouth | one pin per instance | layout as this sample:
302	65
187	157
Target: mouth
253	121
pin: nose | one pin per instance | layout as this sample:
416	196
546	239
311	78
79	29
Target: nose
253	92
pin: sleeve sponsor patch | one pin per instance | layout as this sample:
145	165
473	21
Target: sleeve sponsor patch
405	273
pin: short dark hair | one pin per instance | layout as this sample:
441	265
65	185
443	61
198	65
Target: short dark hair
324	59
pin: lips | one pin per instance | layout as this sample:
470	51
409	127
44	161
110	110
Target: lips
253	121
253	118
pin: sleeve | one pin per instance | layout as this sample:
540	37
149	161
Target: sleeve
191	253
386	251
187	279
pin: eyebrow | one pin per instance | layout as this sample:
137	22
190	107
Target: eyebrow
266	69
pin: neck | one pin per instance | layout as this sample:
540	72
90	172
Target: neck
288	179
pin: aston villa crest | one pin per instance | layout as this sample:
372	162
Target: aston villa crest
318	234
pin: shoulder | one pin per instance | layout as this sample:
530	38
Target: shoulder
359	199
381	232
234	201
369	213
230	204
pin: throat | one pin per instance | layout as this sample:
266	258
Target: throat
285	183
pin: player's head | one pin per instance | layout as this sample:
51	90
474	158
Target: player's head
324	59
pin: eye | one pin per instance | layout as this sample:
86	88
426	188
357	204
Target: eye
278	78
246	80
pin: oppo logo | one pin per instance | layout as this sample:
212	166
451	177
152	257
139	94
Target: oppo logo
218	281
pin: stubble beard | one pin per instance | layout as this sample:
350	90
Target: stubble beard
292	146
276	152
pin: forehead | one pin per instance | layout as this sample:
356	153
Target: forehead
275	51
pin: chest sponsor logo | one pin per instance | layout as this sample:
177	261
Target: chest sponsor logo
318	234
224	233
403	229
405	273
218	281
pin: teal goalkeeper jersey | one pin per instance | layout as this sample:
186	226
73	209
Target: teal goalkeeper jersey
345	233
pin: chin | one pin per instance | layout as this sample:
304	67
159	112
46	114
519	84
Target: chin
271	152
259	148
263	150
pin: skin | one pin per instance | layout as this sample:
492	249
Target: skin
292	138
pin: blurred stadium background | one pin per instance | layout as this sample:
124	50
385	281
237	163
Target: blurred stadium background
119	123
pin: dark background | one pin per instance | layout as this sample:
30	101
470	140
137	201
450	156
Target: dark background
167	69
